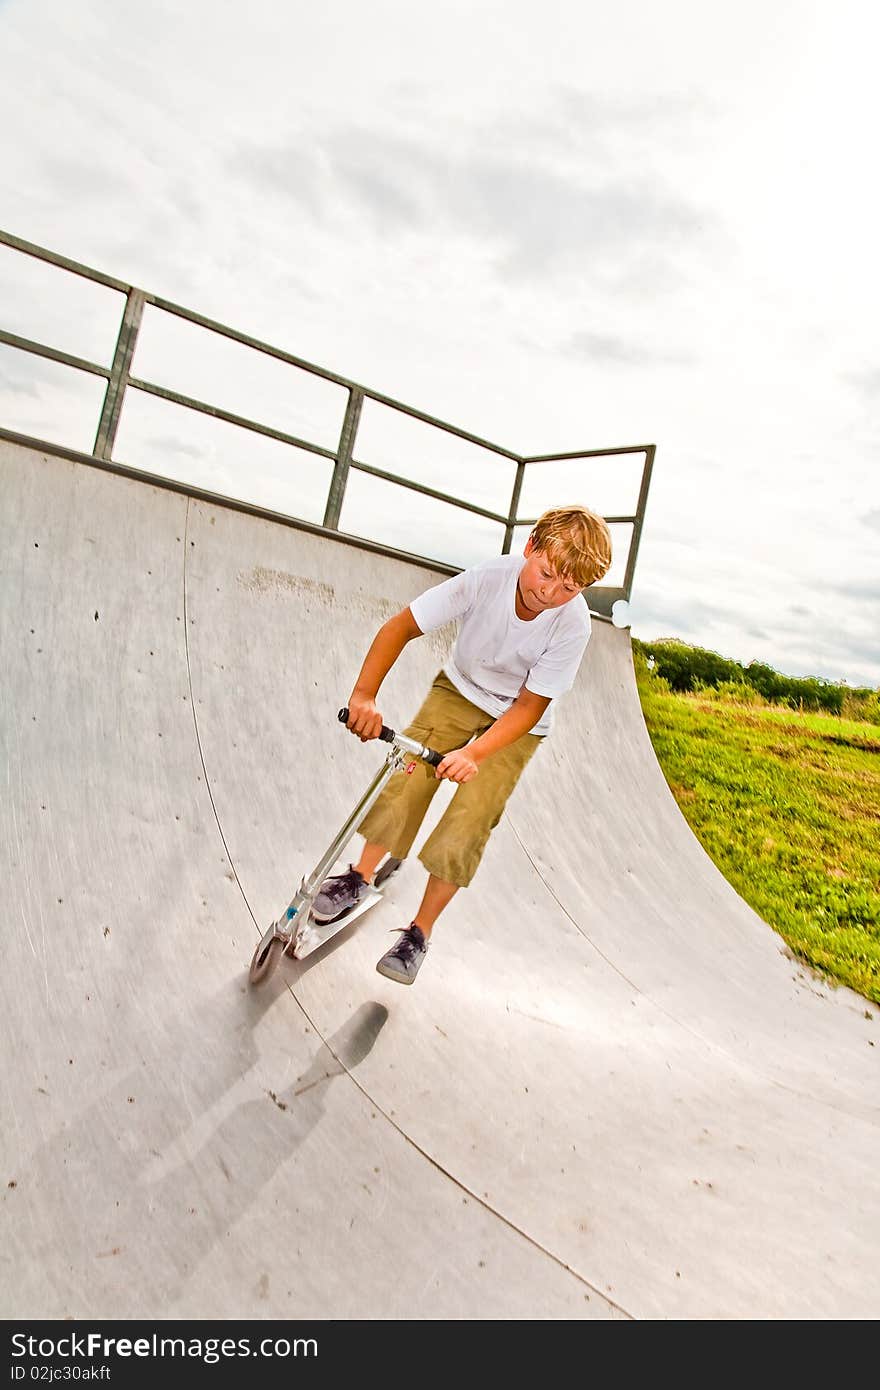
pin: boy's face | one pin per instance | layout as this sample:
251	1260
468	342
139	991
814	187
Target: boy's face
540	586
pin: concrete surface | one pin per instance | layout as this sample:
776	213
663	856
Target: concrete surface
609	1094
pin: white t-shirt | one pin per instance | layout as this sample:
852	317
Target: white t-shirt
497	653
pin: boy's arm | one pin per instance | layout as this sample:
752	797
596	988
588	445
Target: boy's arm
464	763
523	715
364	718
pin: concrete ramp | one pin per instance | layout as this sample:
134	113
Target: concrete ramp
610	1093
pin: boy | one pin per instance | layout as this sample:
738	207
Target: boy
522	636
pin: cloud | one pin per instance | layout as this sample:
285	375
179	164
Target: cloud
866	383
856	590
599	131
835	660
15	385
288	170
638	114
545	222
610	350
686	622
871	519
24	373
74	177
168	443
536	216
810	648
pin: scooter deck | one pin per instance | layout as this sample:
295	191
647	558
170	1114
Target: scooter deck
313	934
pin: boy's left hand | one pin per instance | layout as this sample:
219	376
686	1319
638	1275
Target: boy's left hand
458	766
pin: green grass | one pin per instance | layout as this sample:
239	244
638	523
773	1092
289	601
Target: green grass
788	807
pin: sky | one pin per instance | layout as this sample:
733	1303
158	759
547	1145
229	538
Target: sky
560	226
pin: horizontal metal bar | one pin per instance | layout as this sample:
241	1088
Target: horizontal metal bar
427	491
167	306
235	504
611	520
180	312
443	425
139	475
205	409
41	350
40	253
587	454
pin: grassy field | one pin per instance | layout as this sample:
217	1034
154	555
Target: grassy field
788	807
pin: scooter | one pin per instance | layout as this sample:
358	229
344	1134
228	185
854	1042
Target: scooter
296	933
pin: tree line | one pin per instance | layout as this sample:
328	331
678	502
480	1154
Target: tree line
687	668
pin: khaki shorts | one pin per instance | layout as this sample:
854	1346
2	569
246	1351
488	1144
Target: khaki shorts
454	848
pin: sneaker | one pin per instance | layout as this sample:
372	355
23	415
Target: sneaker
402	962
338	895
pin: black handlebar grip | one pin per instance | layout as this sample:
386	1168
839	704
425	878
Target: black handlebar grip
388	736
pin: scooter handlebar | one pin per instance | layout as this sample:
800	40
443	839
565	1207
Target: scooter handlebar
388	736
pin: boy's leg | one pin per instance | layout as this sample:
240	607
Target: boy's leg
393	822
371	857
445	721
453	850
438	894
403	961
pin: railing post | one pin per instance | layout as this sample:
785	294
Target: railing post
639	521
343	459
113	396
514	507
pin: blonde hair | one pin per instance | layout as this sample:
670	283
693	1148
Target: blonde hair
577	543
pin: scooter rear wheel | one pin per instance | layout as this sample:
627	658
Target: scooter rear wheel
384	873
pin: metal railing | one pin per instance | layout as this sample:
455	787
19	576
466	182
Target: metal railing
119	380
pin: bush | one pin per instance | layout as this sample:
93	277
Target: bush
646	676
863	703
687	668
739	693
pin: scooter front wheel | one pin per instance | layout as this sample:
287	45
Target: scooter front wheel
266	957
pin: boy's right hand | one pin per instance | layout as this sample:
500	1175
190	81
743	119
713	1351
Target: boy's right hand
363	717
